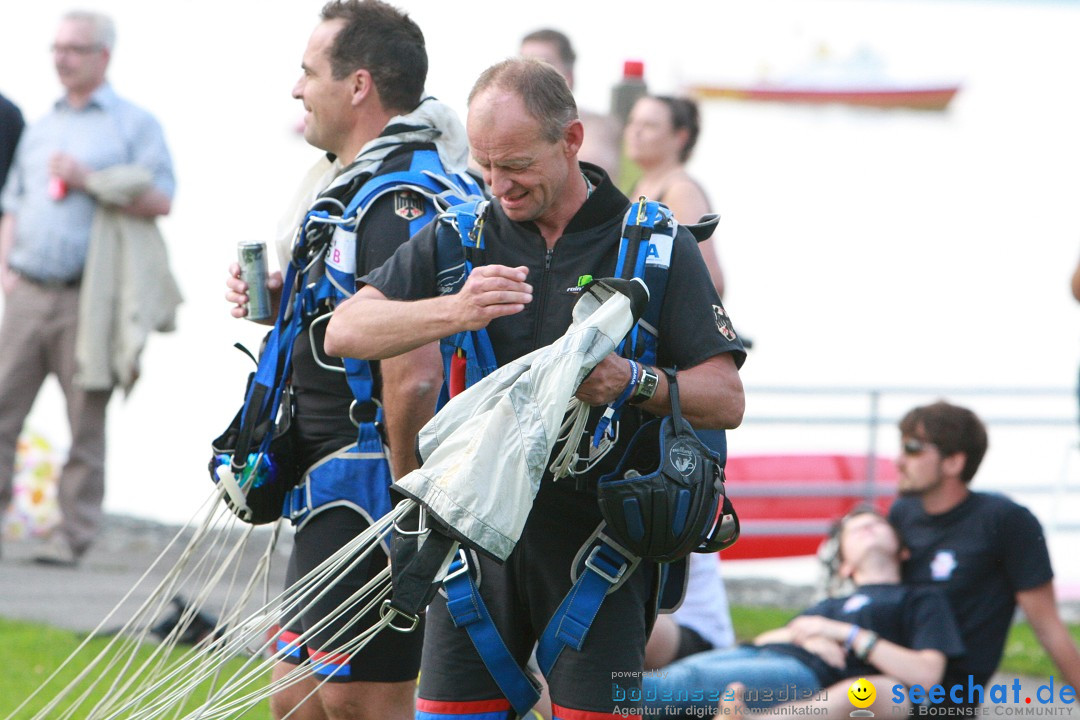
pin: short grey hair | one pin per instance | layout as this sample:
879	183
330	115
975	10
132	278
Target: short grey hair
104	28
541	87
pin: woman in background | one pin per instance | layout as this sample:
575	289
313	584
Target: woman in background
660	135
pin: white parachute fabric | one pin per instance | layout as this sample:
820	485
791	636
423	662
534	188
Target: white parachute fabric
485	452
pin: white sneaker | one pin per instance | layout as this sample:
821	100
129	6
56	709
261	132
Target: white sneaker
55	550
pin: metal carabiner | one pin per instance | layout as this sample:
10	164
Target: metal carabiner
642	203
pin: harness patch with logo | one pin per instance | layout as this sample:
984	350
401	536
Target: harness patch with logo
408	204
723	323
682	456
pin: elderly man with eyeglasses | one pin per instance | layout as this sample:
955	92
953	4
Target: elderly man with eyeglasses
50	201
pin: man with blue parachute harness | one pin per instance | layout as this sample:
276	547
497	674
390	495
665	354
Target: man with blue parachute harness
553	222
393	160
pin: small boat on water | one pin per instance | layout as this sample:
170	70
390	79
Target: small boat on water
930	97
857	80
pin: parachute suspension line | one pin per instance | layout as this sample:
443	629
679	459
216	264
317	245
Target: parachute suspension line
206	661
568	461
47	712
573	427
220	706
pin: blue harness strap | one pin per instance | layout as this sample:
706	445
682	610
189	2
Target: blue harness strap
468	357
333	482
605	566
274	365
468	611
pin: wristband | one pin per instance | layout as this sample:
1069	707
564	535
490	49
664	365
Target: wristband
852	633
631	387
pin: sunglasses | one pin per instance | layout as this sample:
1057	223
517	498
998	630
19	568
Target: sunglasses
914	446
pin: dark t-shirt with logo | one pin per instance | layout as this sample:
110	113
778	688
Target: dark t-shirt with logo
913	617
982	552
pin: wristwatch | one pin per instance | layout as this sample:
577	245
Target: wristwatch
646	386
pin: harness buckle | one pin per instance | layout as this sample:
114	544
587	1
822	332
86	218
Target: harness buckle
463	558
590	562
387	610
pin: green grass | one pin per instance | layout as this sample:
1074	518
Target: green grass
1025	656
1023	653
32	652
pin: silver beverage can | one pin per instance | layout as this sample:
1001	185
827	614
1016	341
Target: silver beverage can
252	256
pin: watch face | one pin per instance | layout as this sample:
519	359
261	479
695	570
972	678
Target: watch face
647	387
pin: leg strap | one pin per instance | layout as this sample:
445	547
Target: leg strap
468	611
605	567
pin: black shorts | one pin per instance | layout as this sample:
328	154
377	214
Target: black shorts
388	657
521	596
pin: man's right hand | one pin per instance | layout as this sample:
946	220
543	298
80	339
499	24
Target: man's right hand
236	291
492	291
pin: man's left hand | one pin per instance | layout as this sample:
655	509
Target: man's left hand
606	382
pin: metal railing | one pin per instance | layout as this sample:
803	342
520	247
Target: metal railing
878	409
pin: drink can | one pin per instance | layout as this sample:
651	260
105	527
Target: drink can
252	256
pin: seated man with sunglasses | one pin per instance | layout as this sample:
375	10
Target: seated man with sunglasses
985	551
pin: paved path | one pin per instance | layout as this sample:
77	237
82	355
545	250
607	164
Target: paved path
81	598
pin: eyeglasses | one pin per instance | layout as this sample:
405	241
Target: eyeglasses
914	446
75	49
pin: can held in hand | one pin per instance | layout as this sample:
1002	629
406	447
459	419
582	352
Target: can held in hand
57	188
252	256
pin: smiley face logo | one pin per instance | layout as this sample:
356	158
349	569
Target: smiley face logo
862	693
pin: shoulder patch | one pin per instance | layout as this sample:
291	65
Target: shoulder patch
408	204
723	323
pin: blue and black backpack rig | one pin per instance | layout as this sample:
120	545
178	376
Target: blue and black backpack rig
253	460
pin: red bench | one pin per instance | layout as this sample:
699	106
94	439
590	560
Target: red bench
787	503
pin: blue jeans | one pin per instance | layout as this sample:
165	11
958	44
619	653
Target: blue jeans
696	683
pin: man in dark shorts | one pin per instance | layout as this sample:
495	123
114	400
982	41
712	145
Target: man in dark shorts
552	222
987	552
363	78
